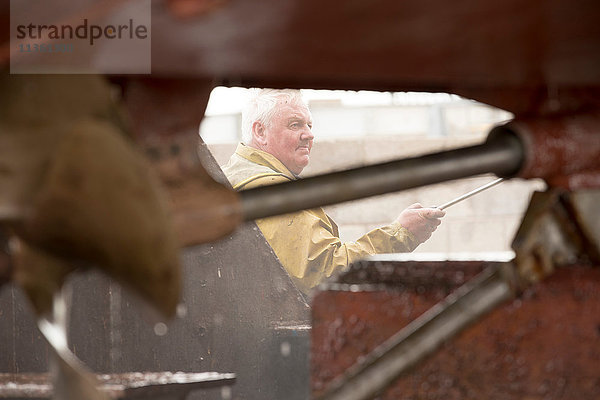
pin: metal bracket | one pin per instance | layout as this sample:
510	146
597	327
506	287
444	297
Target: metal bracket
559	229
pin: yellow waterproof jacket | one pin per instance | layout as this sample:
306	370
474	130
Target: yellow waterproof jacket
307	242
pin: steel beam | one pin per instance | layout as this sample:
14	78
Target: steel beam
502	156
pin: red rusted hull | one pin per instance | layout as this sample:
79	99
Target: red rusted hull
545	344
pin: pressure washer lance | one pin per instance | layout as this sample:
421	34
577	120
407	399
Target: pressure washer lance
471	193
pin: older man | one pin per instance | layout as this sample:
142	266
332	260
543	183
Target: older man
277	140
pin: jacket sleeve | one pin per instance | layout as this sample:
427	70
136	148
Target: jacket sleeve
309	248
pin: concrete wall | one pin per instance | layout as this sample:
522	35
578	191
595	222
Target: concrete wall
333	120
486	222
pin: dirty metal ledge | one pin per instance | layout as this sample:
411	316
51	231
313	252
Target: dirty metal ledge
424	335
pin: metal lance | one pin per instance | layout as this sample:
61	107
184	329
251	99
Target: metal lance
470	194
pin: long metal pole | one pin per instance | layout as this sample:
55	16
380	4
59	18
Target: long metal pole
424	335
502	156
470	194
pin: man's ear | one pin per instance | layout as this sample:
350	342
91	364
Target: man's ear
259	133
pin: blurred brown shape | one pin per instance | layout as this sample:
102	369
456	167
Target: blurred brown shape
40	275
203	210
84	193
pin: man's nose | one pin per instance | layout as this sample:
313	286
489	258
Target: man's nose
307	133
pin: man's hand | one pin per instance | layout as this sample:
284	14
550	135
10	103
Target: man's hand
420	221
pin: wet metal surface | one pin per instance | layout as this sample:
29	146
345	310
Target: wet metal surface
5	261
425	334
544	344
149	385
518	56
563	150
419	276
391	45
240	313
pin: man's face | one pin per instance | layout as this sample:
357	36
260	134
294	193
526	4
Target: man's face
289	136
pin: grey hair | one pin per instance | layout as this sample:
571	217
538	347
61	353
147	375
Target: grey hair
261	107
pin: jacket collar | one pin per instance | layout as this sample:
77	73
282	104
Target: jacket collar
263	158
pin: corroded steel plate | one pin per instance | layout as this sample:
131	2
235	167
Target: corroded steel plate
545	344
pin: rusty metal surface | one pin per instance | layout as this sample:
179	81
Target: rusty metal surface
425	335
537	57
412	275
349	321
148	385
511	50
544	344
186	9
563	150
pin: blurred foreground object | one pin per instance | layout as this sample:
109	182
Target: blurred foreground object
77	192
